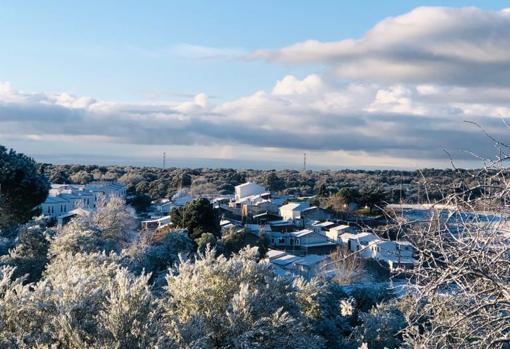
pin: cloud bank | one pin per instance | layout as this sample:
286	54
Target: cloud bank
466	46
403	91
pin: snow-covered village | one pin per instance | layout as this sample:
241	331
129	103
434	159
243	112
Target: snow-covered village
255	174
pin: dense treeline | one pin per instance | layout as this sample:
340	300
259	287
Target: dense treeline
408	186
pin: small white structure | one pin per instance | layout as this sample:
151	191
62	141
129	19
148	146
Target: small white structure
358	242
303	239
335	232
395	254
322	227
181	200
77	212
154	224
292	211
248	189
285	263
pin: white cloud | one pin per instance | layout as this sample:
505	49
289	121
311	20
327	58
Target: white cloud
465	46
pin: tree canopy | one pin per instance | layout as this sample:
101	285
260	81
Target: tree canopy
22	187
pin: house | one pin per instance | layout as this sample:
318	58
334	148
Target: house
396	255
314	213
322	227
64	198
310	265
162	207
292	211
154	224
358	242
334	232
55	206
281	226
248	189
66	217
180	201
284	263
305	240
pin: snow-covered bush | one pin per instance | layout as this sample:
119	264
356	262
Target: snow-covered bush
236	302
30	252
115	219
380	327
83	301
156	257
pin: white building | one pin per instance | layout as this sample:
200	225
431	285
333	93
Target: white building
284	263
248	189
358	242
64	198
301	240
395	254
322	227
335	232
154	224
293	210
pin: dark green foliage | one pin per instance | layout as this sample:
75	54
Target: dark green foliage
205	241
368	297
233	240
22	187
273	183
198	217
373	197
140	202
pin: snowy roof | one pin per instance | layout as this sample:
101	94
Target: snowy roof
272	254
165	220
310	260
323	224
301	233
280	223
340	227
285	260
295	206
55	200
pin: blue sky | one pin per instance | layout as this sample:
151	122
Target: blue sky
169	51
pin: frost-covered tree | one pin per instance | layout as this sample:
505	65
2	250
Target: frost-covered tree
237	302
157	256
30	252
22	187
83	301
115	219
80	236
380	327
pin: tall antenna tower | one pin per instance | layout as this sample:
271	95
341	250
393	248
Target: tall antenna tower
164	160
304	162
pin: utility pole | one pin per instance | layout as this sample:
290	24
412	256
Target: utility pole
164	160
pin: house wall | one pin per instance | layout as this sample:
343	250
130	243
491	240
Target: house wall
248	189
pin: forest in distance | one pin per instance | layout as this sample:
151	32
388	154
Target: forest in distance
417	186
